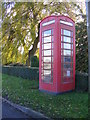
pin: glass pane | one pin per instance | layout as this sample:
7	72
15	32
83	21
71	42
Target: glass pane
67	46
47	39
47	72
67	32
67	59
67	66
47	33
47	52
67	39
66	23
47	78
67	73
47	59
67	52
48	23
47	46
47	66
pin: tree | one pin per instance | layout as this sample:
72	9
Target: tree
20	27
81	46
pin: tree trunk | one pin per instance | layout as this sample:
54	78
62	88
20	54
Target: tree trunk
34	48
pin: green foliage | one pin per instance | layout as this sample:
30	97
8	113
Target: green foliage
81	81
26	93
20	26
34	61
23	72
81	46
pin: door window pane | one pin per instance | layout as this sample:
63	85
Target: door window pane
47	46
67	52
47	39
67	66
47	66
47	56
67	59
67	32
47	52
67	46
47	59
47	33
67	73
47	72
47	79
67	39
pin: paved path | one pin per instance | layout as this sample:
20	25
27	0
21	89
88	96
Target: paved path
10	112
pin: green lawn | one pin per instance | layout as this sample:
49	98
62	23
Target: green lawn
25	92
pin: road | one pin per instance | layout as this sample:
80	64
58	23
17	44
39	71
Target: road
10	112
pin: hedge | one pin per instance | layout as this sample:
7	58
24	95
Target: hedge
24	72
81	79
34	61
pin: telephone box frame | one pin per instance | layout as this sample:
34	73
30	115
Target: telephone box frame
59	84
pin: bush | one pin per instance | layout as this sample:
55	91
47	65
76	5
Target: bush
81	81
34	61
24	72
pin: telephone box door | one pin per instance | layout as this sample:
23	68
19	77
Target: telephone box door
67	57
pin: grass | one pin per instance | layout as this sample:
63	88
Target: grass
26	93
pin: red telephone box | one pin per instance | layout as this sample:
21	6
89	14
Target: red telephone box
57	54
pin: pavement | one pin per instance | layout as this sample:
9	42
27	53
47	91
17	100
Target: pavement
11	111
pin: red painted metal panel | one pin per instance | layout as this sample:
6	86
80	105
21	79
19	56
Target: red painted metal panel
57	85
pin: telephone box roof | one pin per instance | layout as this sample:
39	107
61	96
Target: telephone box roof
58	16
